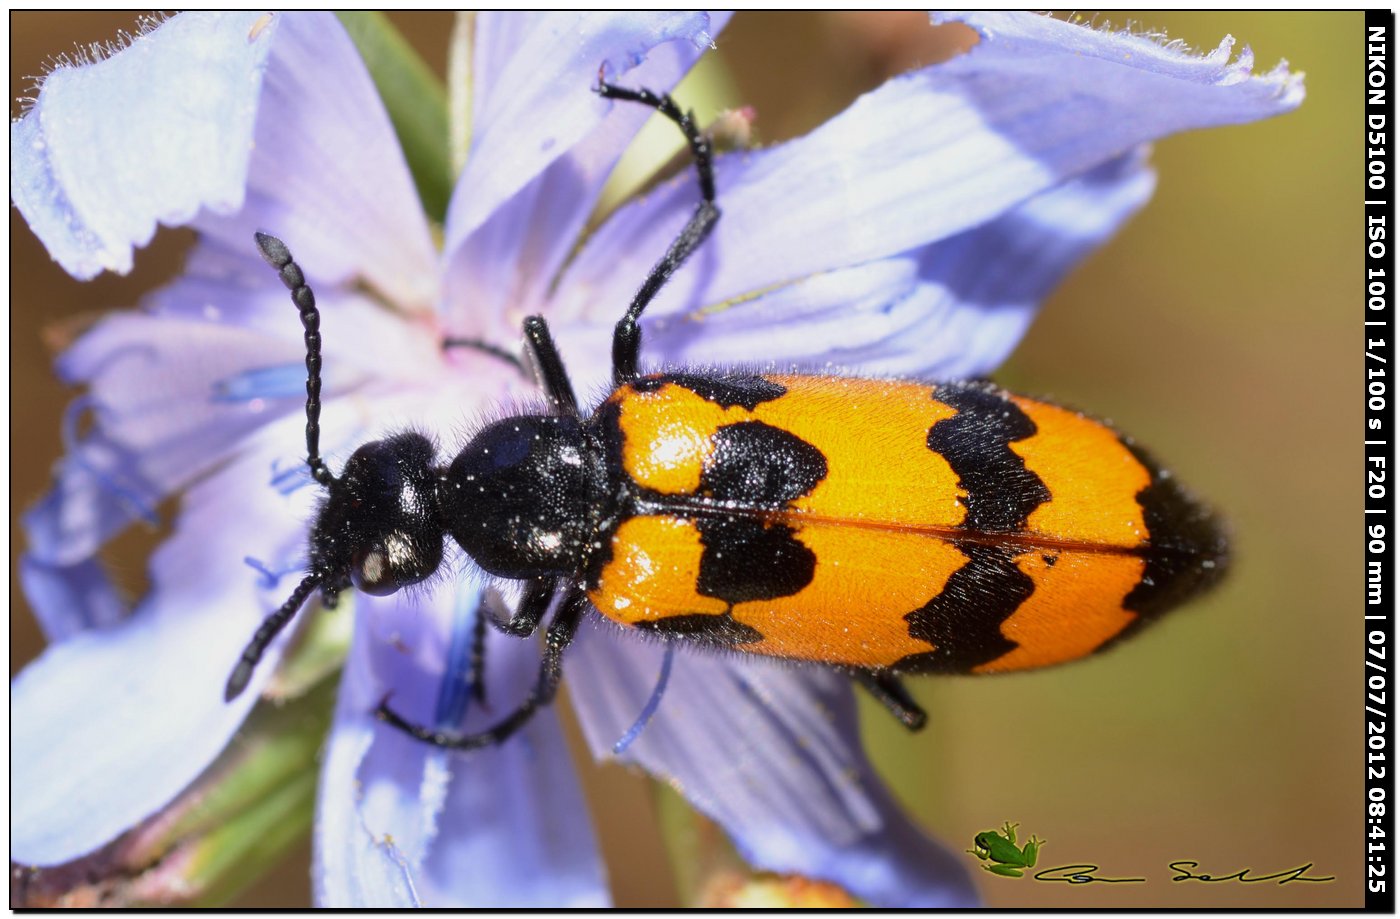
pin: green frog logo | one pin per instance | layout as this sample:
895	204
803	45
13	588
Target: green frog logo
1000	849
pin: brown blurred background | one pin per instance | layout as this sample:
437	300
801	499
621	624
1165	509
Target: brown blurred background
1216	329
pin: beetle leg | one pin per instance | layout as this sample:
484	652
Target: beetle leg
522	624
561	632
627	336
533	605
476	672
548	366
890	692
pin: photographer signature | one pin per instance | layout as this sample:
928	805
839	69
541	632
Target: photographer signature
1243	875
1085	874
1006	859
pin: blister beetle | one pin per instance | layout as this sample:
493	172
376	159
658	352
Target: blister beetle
883	527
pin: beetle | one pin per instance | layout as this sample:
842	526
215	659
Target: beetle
882	527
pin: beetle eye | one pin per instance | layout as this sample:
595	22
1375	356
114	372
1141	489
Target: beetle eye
370	573
388	565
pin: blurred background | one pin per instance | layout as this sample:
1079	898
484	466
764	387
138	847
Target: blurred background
1220	328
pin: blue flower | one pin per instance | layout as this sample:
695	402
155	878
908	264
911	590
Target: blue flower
913	234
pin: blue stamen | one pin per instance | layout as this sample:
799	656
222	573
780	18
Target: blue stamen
650	708
458	682
131	499
288	480
284	381
270	578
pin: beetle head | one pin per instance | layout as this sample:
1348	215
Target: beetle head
380	525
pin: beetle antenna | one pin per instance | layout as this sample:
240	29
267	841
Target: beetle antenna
271	626
276	254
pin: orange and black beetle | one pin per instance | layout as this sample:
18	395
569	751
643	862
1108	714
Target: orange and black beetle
881	527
